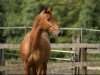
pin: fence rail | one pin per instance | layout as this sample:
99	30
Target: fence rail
61	28
66	45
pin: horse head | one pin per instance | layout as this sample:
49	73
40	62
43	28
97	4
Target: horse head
48	22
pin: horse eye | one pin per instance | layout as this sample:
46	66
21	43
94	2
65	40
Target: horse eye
48	19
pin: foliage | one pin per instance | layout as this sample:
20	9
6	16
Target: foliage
11	54
69	13
87	19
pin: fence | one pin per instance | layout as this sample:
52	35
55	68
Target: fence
82	62
78	62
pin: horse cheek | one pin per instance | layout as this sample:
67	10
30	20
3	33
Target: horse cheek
50	30
45	27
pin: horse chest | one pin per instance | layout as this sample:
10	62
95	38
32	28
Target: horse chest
37	56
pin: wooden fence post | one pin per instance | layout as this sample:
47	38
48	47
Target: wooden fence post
80	56
2	62
83	58
77	40
26	29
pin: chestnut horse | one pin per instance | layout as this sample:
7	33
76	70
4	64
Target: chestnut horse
35	47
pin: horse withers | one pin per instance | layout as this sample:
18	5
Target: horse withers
35	47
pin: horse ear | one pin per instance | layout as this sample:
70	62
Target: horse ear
46	10
51	8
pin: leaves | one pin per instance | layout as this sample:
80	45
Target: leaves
69	13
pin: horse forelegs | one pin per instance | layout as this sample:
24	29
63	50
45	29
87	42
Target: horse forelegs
33	70
26	68
40	70
44	69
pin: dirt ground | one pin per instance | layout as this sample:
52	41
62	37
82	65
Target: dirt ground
55	68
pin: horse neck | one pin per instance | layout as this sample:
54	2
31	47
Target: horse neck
35	35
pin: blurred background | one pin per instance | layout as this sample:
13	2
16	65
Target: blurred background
69	13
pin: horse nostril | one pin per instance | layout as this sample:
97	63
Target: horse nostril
60	34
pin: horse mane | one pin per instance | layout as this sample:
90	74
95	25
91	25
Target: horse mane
35	33
35	23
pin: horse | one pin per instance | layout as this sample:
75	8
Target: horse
35	47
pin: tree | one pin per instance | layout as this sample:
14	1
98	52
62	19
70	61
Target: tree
19	13
87	19
69	13
2	21
30	8
86	14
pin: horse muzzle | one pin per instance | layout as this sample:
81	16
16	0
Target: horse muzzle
57	34
60	34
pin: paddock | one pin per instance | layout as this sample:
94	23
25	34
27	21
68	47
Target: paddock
77	62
